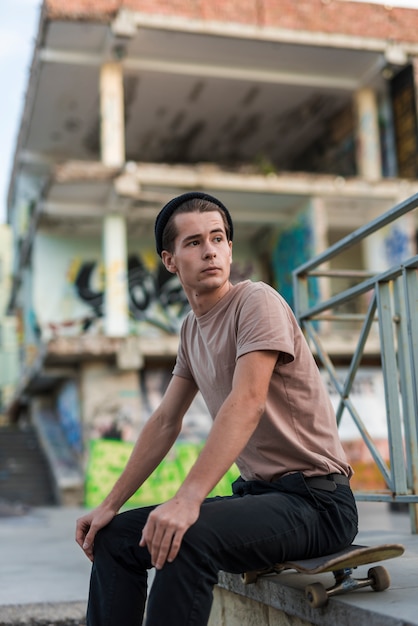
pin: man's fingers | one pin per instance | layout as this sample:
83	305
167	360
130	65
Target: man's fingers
175	546
88	526
154	537
85	537
82	529
163	543
162	550
164	531
89	539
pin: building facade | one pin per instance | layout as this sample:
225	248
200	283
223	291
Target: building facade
300	116
8	329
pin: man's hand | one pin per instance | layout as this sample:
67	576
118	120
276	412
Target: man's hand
89	525
165	528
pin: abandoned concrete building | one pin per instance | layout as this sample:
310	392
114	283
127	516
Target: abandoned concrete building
300	116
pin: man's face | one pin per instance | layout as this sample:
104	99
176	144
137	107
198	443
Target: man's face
202	254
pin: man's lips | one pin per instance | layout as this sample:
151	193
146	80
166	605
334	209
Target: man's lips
211	269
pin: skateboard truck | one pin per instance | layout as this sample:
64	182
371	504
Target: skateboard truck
317	594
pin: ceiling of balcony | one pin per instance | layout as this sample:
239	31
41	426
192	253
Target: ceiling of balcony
189	98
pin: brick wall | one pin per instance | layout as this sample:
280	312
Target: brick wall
327	16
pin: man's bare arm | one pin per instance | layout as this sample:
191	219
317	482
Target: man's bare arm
232	428
154	441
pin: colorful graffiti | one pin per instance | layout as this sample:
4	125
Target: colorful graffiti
397	246
293	247
68	409
108	458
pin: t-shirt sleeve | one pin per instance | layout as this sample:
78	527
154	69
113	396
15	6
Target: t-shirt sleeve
265	323
181	366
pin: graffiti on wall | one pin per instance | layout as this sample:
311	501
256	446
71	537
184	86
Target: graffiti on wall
64	463
111	402
293	247
107	459
397	245
69	292
68	409
155	297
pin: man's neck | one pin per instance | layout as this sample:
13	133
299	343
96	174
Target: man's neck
202	303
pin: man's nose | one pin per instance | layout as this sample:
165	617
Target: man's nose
209	250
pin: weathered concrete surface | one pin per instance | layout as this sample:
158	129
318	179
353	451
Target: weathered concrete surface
53	614
232	609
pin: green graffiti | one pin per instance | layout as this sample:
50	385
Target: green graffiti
107	459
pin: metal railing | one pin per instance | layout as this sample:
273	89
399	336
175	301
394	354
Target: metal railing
393	307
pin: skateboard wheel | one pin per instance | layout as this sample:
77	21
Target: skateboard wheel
316	595
380	579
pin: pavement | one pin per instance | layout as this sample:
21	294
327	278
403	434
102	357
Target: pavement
44	575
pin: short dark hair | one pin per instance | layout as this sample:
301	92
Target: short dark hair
186	203
196	205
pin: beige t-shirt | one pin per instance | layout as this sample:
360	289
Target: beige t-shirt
298	430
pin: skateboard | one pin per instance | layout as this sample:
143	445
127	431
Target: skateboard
341	564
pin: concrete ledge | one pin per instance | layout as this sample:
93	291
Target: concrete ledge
232	609
280	601
46	614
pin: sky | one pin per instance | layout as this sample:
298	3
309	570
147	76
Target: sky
18	28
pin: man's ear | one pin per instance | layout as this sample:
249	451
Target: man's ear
168	260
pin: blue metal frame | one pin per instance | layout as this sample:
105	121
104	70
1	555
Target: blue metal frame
393	305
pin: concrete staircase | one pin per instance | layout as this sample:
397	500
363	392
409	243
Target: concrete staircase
24	473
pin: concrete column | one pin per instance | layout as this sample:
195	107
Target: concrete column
112	115
320	219
369	161
116	320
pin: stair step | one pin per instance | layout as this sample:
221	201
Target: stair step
24	470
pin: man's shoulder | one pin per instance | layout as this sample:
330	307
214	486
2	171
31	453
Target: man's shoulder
248	288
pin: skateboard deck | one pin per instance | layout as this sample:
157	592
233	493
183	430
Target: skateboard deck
341	564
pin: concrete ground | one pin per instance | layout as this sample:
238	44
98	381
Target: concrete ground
44	574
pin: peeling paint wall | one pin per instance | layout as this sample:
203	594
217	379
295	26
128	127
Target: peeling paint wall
110	401
293	246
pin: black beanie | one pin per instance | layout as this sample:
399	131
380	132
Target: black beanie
168	210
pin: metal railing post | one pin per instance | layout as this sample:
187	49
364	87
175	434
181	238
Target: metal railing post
394	298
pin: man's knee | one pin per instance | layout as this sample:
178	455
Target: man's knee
106	539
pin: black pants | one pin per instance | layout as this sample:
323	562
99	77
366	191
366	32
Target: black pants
261	524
